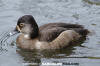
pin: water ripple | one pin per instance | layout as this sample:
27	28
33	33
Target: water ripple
5	40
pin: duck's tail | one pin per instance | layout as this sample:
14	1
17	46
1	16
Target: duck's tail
82	32
76	27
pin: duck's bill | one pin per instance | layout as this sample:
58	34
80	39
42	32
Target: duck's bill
15	31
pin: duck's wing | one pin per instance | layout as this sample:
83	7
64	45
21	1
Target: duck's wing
64	25
50	34
51	31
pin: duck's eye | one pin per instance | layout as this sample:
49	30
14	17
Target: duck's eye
21	24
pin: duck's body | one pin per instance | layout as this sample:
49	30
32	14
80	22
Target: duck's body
49	36
51	31
61	41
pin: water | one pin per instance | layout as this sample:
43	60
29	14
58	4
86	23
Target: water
85	12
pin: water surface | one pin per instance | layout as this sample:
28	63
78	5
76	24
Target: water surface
47	11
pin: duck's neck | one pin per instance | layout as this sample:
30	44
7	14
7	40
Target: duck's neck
31	36
33	33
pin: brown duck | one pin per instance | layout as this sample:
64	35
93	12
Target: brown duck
48	36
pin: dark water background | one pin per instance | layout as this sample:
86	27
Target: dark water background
85	12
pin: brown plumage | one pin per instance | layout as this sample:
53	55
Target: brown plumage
48	36
49	32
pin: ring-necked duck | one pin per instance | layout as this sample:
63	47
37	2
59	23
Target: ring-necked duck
48	36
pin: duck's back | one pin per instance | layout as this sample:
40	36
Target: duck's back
51	31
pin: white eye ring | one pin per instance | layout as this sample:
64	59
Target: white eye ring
21	24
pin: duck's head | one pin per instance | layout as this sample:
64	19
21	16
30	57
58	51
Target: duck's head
27	26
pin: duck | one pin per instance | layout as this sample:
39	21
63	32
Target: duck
48	36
